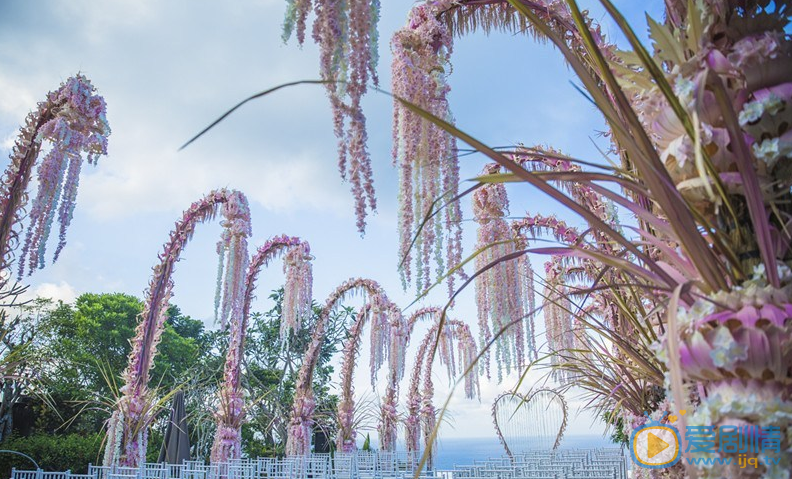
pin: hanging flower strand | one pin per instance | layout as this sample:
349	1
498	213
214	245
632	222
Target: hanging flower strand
346	32
425	154
73	120
498	290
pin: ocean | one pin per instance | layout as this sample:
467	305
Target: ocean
462	451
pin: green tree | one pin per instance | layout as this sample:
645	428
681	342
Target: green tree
272	367
85	350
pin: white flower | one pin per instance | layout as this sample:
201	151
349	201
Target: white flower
753	110
759	272
701	309
726	350
768	151
784	271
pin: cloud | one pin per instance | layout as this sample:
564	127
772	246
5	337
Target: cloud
165	76
61	291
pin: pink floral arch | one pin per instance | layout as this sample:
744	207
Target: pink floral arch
297	299
388	422
301	421
127	434
386	343
419	404
73	120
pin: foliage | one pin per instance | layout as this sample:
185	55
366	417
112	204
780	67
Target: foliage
616	422
52	452
91	338
19	329
63	452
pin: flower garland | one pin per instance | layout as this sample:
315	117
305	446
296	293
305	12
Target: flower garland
380	348
346	32
296	305
73	120
136	406
498	289
466	345
301	421
426	155
419	404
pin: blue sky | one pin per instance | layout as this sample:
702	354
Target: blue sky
167	69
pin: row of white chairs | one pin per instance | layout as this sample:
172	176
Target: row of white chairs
41	474
604	463
358	465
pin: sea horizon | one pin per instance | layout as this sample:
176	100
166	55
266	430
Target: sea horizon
461	451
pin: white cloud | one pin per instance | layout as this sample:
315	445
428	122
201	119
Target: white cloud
61	291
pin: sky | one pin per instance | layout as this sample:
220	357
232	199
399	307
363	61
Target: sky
167	69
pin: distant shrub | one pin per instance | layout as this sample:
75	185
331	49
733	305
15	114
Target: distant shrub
53	453
68	452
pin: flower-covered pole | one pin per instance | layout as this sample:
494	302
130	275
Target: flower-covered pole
499	289
467	353
296	306
346	32
301	422
425	154
388	421
135	409
73	121
733	345
383	329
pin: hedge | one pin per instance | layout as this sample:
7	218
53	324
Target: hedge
59	452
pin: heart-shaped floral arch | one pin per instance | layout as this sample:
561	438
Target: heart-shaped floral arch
544	410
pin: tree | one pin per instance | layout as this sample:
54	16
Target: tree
271	370
84	348
17	335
